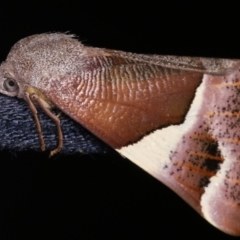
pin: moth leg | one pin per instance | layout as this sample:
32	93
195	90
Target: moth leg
55	118
36	119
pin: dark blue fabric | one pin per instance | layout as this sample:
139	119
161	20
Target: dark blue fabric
18	131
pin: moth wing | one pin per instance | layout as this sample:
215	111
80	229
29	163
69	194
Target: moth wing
129	98
170	121
215	66
199	159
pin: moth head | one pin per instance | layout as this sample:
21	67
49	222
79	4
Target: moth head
38	57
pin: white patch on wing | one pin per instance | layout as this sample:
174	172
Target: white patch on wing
152	152
199	159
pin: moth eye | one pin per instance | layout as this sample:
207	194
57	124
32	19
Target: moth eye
10	85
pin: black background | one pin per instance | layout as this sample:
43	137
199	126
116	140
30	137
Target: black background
105	196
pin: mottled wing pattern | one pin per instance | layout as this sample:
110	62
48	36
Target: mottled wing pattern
211	151
221	201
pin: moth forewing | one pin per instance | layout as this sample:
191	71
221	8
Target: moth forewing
176	117
212	66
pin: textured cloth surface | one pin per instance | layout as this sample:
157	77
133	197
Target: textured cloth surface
18	130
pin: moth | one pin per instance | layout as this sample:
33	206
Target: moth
176	117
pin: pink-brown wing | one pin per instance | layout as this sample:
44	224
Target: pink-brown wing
221	200
212	148
199	159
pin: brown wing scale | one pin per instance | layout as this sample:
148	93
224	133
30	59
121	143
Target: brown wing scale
129	100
